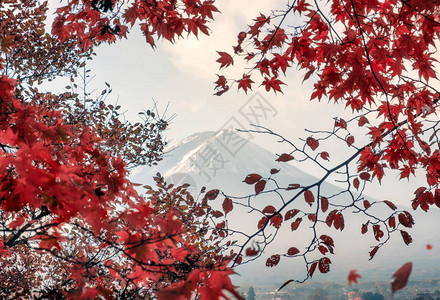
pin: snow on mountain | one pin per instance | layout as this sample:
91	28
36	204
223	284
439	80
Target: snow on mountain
209	158
223	159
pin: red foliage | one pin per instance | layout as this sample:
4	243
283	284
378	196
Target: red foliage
95	22
358	52
355	51
73	218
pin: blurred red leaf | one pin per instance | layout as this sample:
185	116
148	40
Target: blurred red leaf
341	123
353	277
401	277
323	249
293	186
330	218
251	252
406	219
245	83
338	221
272	83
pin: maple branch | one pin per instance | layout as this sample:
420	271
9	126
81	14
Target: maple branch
391	117
13	240
314	241
425	16
328	22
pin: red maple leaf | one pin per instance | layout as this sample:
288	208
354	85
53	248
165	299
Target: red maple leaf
272	83
225	59
353	277
245	83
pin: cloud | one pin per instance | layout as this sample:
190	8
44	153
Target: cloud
198	56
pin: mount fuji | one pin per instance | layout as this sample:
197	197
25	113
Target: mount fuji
221	160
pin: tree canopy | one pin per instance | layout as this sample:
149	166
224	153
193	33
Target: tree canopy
74	226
